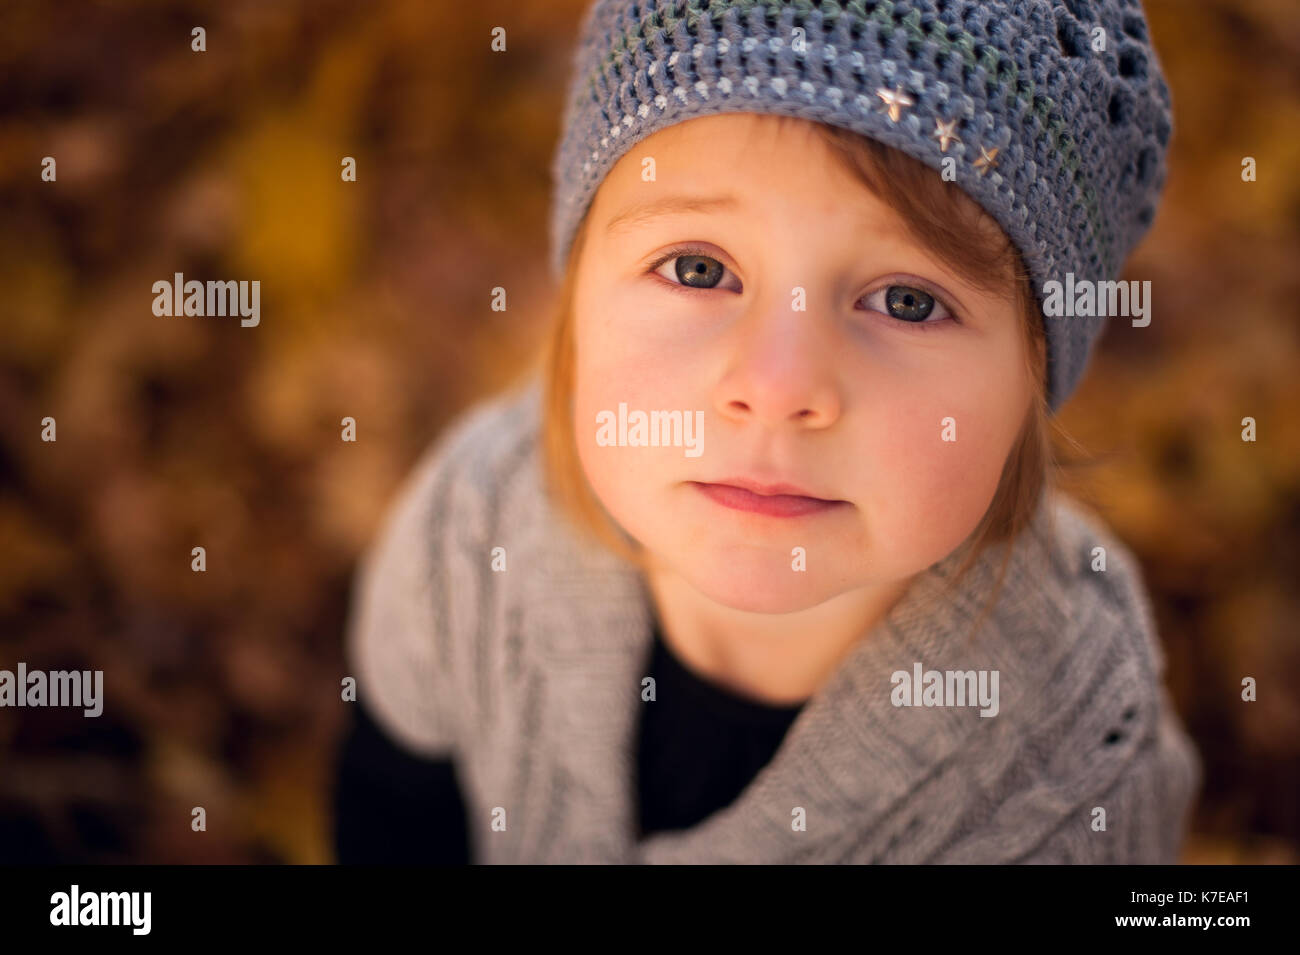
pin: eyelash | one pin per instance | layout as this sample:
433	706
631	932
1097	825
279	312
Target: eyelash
680	251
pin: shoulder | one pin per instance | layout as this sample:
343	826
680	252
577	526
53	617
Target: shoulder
452	496
1117	741
421	604
481	455
477	486
1097	765
1096	582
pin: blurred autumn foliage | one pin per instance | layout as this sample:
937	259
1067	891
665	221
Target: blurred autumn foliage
223	687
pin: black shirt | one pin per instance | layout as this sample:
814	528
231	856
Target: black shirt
699	746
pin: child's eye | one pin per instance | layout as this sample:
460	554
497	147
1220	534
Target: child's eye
691	269
909	304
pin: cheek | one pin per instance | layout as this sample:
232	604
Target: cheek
941	450
616	362
621	349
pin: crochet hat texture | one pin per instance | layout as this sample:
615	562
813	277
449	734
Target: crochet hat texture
1055	111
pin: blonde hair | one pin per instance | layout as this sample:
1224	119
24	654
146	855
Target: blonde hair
942	217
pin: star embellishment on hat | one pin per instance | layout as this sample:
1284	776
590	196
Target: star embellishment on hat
988	159
895	102
944	132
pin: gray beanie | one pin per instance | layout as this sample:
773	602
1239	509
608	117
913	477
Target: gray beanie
1062	116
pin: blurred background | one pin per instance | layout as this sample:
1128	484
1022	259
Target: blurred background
223	687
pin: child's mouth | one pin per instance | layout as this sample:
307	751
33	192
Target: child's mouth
771	505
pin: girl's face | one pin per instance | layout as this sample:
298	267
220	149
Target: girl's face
825	348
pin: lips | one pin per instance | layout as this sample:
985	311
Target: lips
772	500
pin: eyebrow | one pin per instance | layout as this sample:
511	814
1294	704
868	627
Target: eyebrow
643	212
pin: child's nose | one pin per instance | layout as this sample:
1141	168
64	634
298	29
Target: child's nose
781	368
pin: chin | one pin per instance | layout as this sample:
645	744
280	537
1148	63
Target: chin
760	590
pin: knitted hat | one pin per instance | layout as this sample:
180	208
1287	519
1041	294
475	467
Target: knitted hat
1061	113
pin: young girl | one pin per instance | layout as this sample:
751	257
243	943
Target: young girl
766	564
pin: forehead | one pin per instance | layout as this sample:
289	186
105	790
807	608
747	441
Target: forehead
729	163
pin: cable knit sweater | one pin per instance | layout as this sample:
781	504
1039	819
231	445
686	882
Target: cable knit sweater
529	678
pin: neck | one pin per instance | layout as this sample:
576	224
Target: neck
781	659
